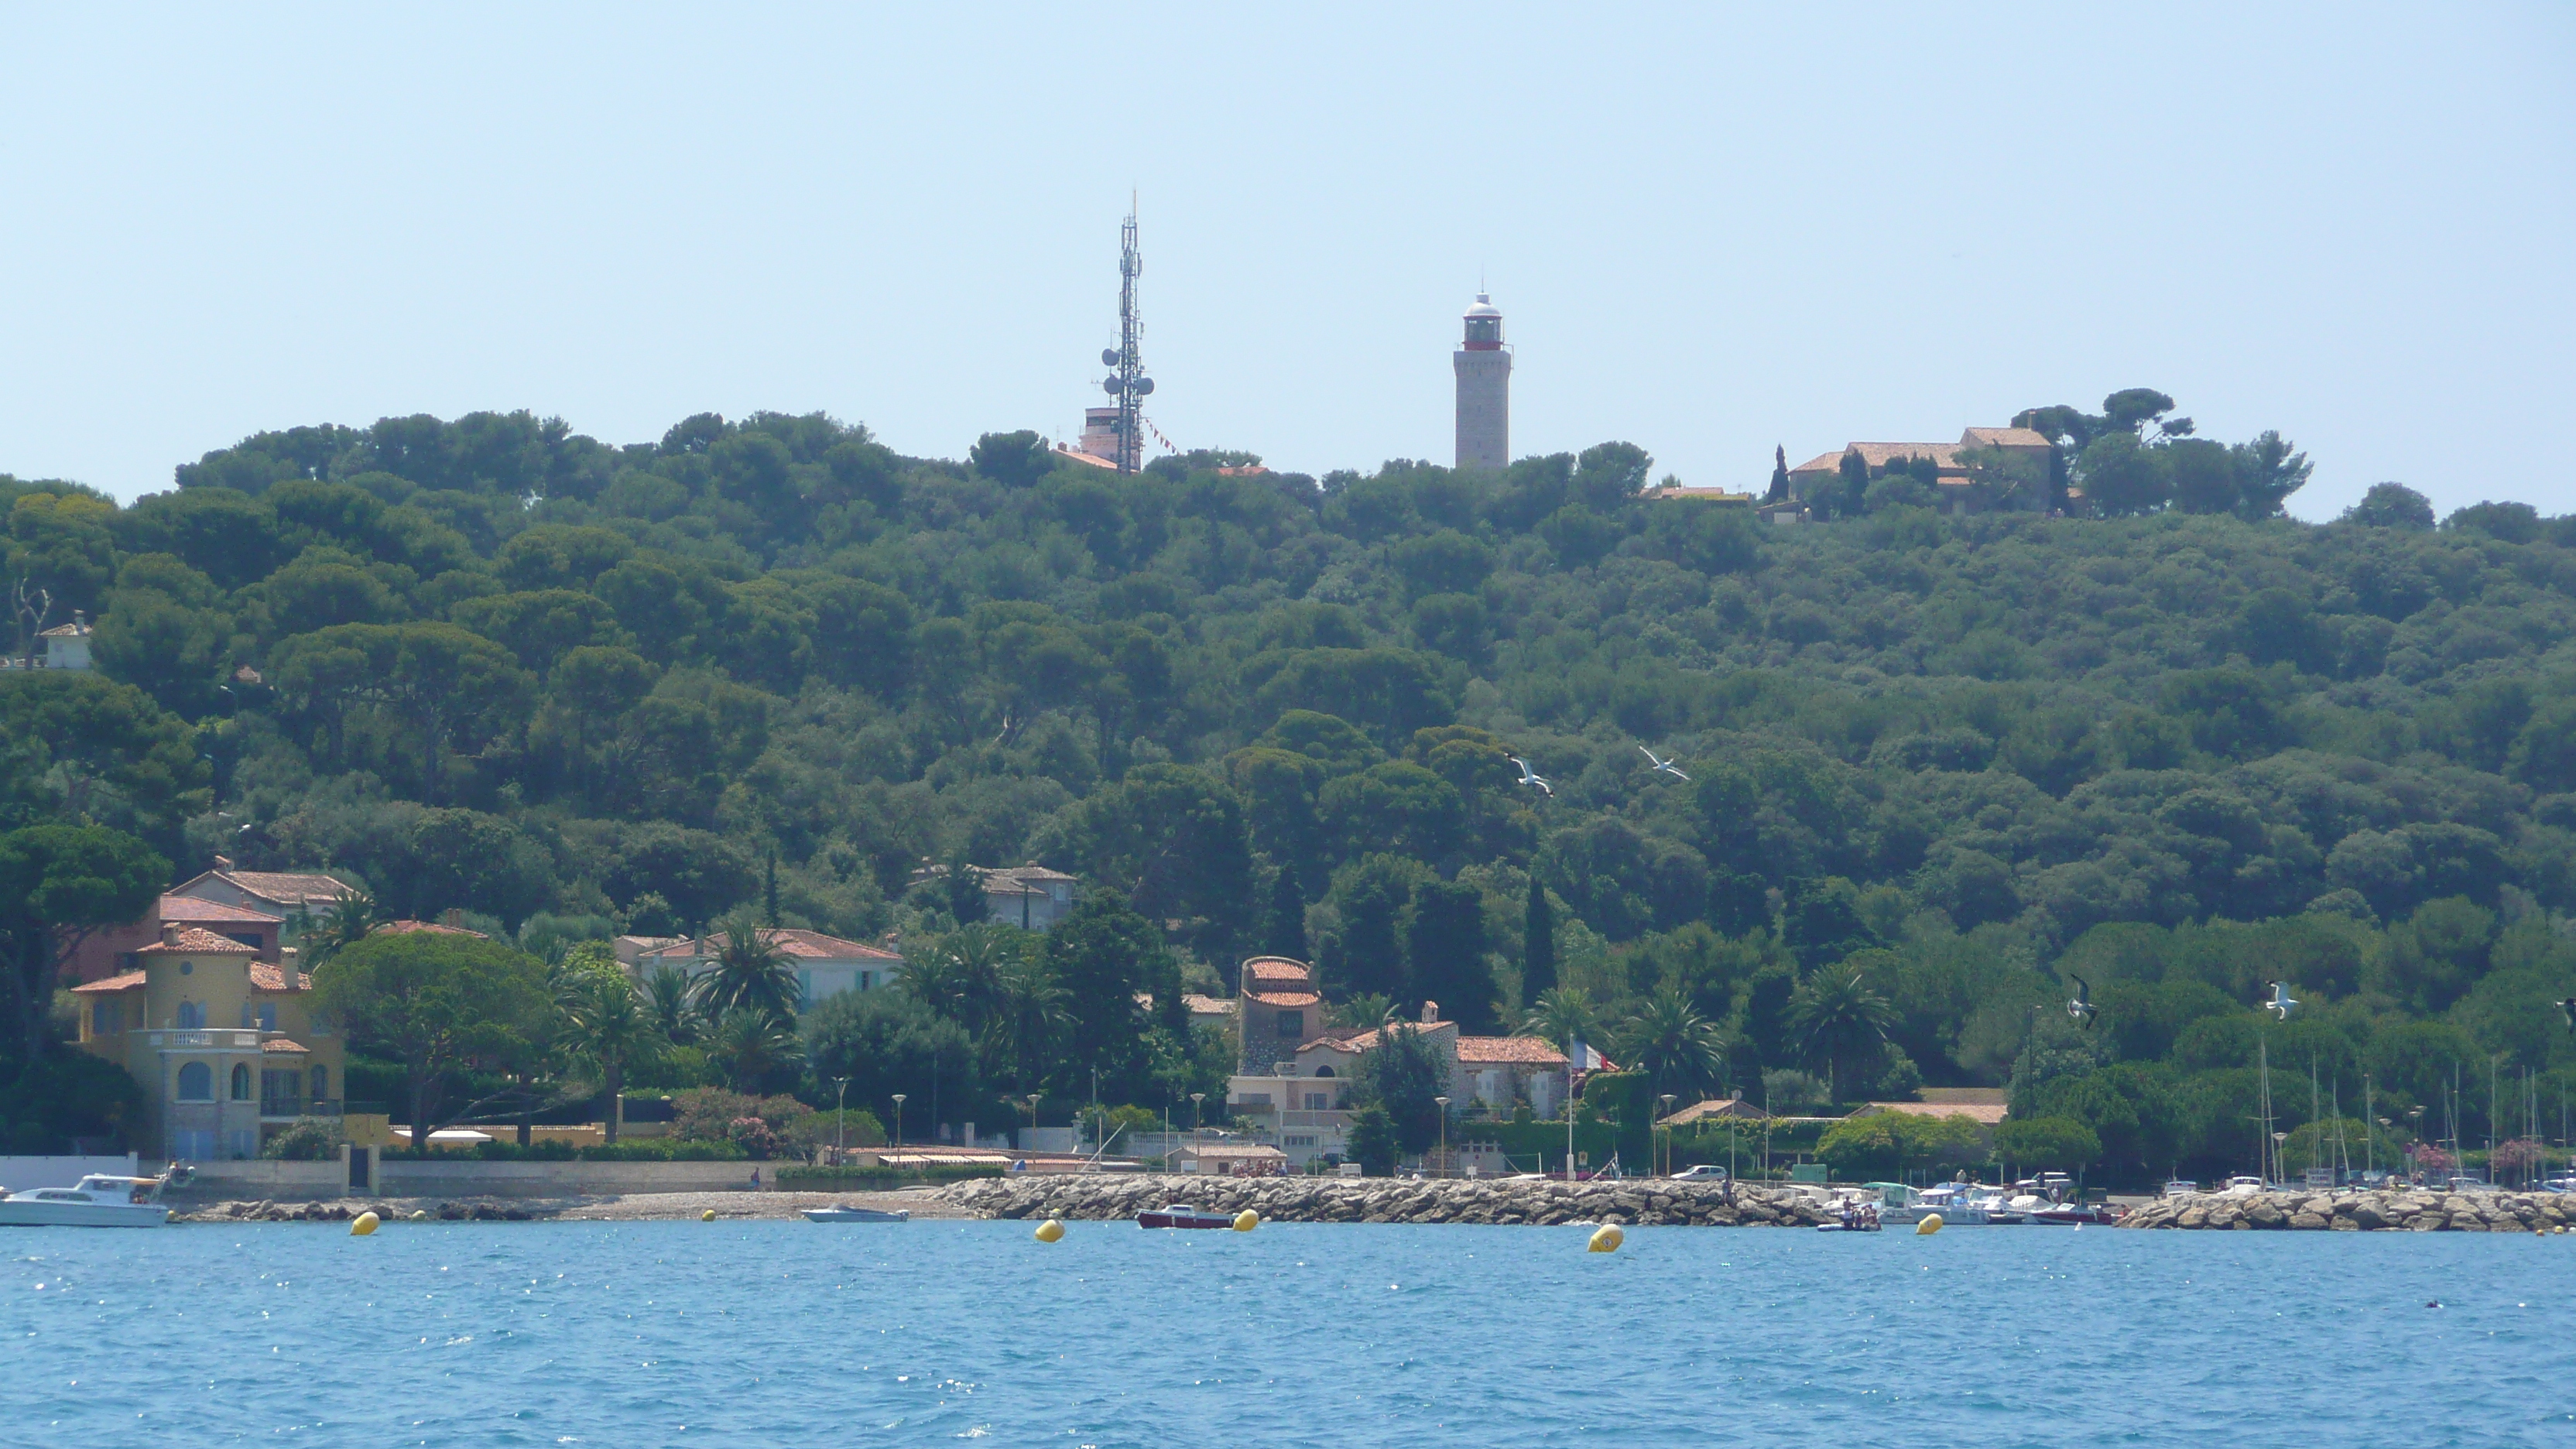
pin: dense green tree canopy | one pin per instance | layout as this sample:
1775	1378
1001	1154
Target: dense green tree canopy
2153	732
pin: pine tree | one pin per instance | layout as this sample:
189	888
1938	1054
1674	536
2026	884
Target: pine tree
1538	944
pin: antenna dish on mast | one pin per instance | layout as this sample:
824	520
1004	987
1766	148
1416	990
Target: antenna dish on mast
1109	357
1144	386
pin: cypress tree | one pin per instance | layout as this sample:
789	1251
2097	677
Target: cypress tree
1284	932
769	894
1538	945
1779	474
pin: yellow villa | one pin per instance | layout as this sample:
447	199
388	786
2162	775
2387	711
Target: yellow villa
226	1045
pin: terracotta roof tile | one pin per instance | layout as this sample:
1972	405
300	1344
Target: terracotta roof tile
291	887
1277	968
191	908
1983	1113
793	943
1285	998
2003	438
421	928
196	941
130	981
1509	1049
264	977
281	1044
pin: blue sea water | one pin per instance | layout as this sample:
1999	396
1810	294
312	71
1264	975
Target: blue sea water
787	1333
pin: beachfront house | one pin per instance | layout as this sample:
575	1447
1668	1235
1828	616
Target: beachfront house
226	1046
1292	1089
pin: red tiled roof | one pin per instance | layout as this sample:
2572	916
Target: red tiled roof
1985	1114
127	982
1277	968
1509	1049
1367	1041
193	941
292	886
191	908
281	1044
1197	1005
433	928
1284	998
787	941
264	977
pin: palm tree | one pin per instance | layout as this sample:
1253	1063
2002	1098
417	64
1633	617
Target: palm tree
1563	1015
1032	1010
751	1043
1836	1011
349	920
666	994
749	971
607	1023
1674	1045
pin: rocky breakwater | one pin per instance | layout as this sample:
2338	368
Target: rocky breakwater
1105	1196
2363	1212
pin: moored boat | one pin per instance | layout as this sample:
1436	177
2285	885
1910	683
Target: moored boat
841	1213
1177	1216
100	1200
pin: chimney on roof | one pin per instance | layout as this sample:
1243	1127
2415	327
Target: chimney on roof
1431	1013
453	917
295	980
223	862
169	933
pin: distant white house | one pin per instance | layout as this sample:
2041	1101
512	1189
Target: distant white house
825	966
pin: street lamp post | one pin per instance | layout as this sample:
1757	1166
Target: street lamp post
841	1121
1444	1134
898	1120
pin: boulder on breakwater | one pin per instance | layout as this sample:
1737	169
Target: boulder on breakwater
1640	1203
2357	1211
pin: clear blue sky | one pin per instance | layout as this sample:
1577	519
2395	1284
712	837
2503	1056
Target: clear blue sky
1711	230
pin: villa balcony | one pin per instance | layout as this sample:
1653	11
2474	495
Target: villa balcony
289	1108
221	1039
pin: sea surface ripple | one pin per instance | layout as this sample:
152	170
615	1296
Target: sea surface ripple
619	1334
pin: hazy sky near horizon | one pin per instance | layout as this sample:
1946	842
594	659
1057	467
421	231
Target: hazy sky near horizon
1711	230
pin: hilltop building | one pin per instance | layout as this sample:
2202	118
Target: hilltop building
1954	478
1484	368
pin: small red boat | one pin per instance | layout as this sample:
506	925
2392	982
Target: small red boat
1182	1217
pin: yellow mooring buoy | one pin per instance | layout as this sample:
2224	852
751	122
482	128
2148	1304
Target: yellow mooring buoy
1606	1239
1246	1220
708	1216
1931	1224
420	1215
363	1224
1050	1231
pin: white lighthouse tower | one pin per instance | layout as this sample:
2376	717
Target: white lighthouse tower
1484	389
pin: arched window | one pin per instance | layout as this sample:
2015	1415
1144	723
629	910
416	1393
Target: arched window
321	1084
241	1082
192	1015
1323	1071
196	1082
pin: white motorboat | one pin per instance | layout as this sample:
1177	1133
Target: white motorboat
2181	1187
96	1201
1952	1200
845	1214
2241	1186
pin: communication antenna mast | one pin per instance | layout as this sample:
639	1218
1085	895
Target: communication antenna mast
1128	384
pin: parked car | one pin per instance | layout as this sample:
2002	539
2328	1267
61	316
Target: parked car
1703	1172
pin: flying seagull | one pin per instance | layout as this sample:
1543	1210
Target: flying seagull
1663	766
1531	777
2281	1004
2082	1007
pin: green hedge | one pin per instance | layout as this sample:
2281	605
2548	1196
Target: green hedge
877	1179
642	1149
